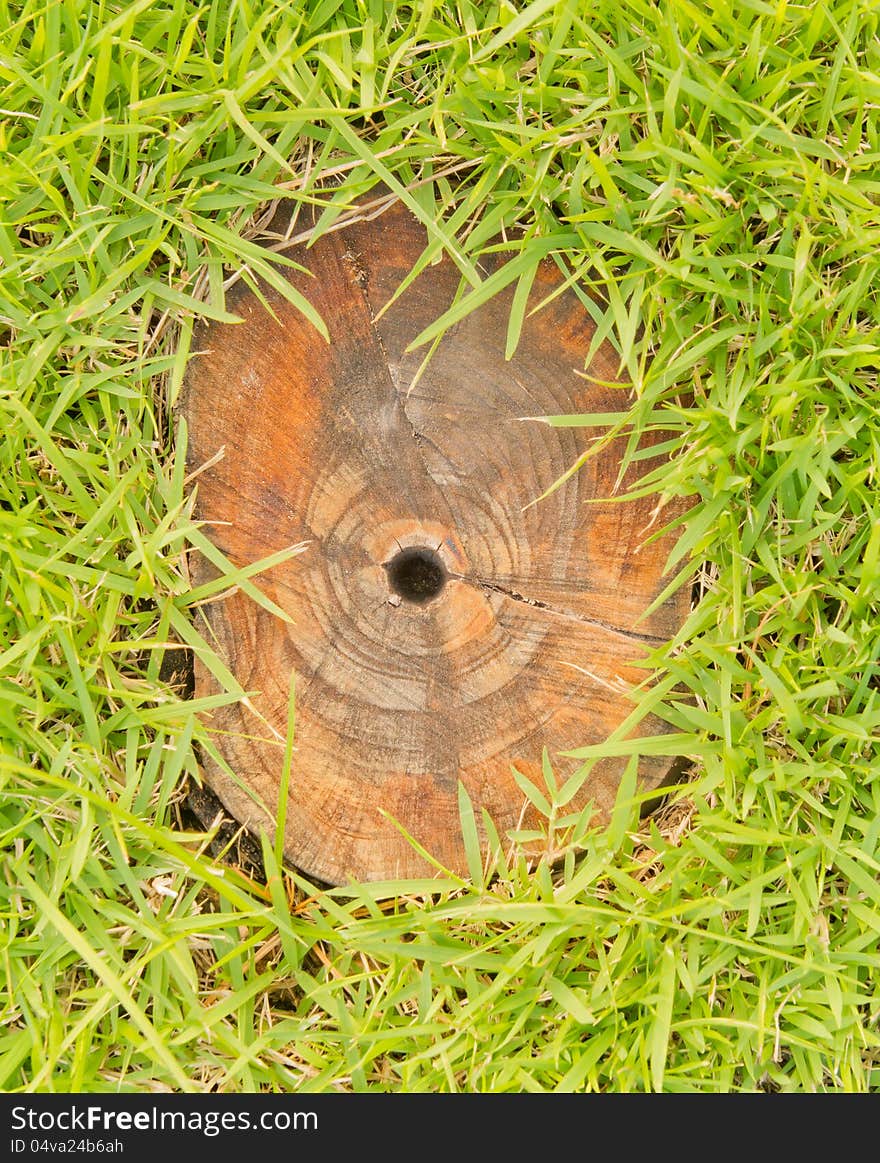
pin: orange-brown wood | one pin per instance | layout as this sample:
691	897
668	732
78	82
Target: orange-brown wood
443	627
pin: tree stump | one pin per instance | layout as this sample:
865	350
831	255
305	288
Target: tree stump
444	628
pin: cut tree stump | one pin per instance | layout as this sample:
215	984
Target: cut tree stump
443	628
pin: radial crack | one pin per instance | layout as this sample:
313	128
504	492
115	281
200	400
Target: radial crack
515	596
362	279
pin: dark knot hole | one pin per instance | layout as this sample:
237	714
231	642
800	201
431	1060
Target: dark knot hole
416	574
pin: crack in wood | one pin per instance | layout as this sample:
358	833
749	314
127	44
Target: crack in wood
362	280
515	596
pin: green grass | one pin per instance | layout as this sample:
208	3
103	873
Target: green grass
714	180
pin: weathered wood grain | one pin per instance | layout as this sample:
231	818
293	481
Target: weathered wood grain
526	624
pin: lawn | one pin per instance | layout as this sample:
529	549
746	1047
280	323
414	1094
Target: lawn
710	179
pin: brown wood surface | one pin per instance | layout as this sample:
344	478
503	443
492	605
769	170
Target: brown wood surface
529	643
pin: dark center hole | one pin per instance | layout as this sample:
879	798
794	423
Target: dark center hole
417	575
